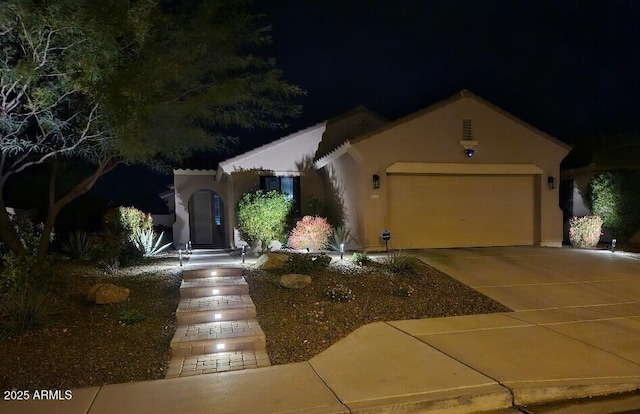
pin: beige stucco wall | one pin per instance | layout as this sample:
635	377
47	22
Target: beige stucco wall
434	137
187	182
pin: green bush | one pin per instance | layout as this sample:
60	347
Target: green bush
614	197
20	271
402	263
262	216
584	232
306	263
131	316
27	231
360	259
24	310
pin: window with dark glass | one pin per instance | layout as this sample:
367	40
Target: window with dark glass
290	186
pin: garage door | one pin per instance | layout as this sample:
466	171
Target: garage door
460	210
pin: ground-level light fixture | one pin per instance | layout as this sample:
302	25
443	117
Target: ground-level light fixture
214	273
376	181
613	245
215	292
341	250
217	316
219	347
551	182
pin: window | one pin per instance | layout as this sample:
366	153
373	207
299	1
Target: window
216	209
290	186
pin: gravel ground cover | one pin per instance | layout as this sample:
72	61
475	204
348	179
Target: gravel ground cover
299	324
87	344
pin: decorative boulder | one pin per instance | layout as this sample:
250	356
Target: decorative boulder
103	293
295	281
271	261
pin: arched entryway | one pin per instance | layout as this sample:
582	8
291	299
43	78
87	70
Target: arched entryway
206	219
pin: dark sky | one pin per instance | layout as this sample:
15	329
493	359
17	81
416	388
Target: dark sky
567	67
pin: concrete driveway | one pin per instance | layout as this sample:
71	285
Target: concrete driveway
533	278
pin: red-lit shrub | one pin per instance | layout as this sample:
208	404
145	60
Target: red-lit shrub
585	231
310	233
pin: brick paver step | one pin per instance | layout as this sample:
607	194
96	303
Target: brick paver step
215	308
230	285
198	273
185	366
211	337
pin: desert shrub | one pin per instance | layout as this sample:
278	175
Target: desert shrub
306	263
360	259
340	235
20	271
109	265
402	263
310	233
613	196
404	291
131	316
24	310
339	293
584	232
78	245
262	216
125	221
27	231
149	242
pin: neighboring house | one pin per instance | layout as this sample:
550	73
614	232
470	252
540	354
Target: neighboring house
611	154
459	173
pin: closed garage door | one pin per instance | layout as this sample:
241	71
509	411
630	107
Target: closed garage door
460	210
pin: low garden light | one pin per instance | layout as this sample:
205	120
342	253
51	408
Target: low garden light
180	256
341	250
551	182
613	245
243	252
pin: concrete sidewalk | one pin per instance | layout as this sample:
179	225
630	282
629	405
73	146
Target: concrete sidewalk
458	364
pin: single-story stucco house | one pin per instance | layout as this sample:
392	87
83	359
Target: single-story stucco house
459	173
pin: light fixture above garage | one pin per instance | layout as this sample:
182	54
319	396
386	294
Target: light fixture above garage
551	182
469	147
468	144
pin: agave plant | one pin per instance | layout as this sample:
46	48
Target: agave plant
78	246
340	236
148	242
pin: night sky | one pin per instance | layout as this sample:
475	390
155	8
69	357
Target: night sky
569	68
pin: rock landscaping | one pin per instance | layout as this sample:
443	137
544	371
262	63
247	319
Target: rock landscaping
342	296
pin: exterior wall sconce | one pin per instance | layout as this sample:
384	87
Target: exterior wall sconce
551	182
376	181
469	147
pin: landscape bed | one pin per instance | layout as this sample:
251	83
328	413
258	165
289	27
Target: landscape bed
300	323
89	345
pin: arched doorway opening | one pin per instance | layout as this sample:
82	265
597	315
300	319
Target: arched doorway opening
206	219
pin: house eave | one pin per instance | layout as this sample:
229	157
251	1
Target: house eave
232	164
462	169
342	149
181	171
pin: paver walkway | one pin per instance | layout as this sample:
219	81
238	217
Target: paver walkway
217	330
